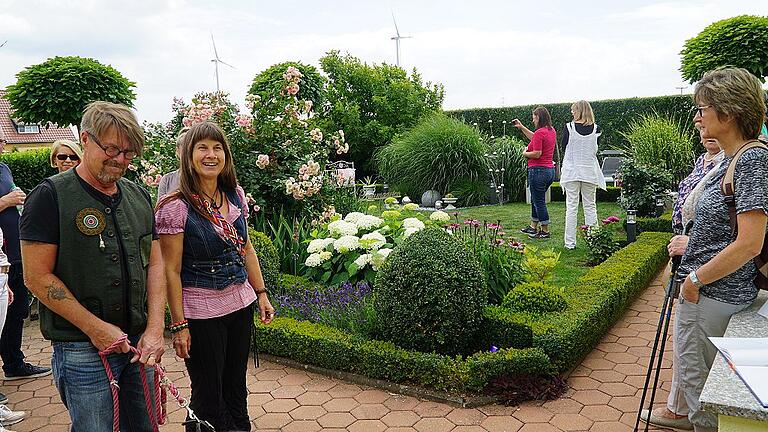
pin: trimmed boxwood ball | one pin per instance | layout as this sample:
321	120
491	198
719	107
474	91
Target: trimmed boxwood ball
268	258
430	295
535	297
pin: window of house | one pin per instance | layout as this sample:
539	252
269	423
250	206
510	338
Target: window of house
28	128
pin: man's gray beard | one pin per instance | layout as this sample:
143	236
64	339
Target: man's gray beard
108	178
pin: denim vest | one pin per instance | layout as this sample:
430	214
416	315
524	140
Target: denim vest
208	261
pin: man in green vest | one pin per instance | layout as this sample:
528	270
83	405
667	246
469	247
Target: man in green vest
91	256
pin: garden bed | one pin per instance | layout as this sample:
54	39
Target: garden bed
530	344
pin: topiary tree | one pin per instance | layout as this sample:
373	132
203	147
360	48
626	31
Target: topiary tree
58	90
373	103
268	258
740	41
271	82
430	294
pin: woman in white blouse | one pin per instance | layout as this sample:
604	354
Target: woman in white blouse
581	174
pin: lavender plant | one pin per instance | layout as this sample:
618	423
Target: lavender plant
347	307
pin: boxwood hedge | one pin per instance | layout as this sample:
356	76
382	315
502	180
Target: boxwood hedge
529	343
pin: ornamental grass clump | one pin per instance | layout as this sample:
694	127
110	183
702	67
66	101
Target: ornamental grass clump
430	295
434	154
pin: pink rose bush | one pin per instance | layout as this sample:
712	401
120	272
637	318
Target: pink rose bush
278	144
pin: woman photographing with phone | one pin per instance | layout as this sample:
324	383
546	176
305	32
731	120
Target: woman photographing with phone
541	169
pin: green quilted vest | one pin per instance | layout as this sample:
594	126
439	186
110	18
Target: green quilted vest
94	239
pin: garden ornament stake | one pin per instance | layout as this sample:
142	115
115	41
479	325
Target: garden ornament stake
673	290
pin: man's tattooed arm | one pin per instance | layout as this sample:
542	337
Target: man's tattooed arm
56	292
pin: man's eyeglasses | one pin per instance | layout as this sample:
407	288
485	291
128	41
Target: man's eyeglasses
113	151
63	157
700	109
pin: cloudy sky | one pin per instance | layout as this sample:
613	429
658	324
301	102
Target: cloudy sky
486	53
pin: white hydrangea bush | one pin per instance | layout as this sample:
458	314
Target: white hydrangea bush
353	248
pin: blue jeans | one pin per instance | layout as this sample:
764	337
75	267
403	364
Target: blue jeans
82	382
539	180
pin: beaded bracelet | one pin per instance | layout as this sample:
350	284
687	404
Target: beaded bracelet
178	323
178	328
260	291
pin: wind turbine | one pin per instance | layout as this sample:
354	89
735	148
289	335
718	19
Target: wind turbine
216	60
397	39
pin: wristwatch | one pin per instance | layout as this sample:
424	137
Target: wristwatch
695	280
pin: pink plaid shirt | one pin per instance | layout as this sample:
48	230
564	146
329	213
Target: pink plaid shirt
201	303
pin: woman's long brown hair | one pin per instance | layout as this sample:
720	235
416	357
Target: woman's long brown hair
189	181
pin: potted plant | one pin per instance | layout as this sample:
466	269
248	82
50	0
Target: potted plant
449	200
369	186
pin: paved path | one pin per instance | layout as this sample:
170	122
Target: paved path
604	395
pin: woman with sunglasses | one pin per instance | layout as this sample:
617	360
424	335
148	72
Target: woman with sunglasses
213	275
65	154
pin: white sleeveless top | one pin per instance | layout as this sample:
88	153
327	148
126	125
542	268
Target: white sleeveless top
580	160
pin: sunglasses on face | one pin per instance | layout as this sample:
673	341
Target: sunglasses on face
63	157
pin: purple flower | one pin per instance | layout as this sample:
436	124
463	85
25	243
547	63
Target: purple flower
494	348
584	227
610	220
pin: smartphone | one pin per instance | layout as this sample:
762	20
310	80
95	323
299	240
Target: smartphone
514	122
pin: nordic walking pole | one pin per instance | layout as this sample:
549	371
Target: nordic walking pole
664	319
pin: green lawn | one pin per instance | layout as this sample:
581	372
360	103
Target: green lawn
515	216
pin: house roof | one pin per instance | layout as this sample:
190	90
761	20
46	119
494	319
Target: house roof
12	136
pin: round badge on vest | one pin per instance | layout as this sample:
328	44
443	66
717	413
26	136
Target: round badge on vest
90	221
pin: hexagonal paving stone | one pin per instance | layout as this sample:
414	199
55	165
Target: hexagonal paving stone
571	422
302	426
466	417
400	419
341	405
280	405
533	414
287	392
501	424
272	421
308	412
314	398
344	390
601	413
432	409
372	397
436	424
591	397
367	426
336	420
401	403
370	411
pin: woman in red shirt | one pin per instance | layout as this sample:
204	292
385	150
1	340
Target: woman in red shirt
541	169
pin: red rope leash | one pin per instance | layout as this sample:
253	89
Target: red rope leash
159	415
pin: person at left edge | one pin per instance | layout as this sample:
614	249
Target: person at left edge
14	365
93	260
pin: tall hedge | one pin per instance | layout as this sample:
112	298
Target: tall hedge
29	168
612	115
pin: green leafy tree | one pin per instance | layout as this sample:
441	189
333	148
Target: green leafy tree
58	90
373	103
270	83
740	41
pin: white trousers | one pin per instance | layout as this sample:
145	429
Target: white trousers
573	190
